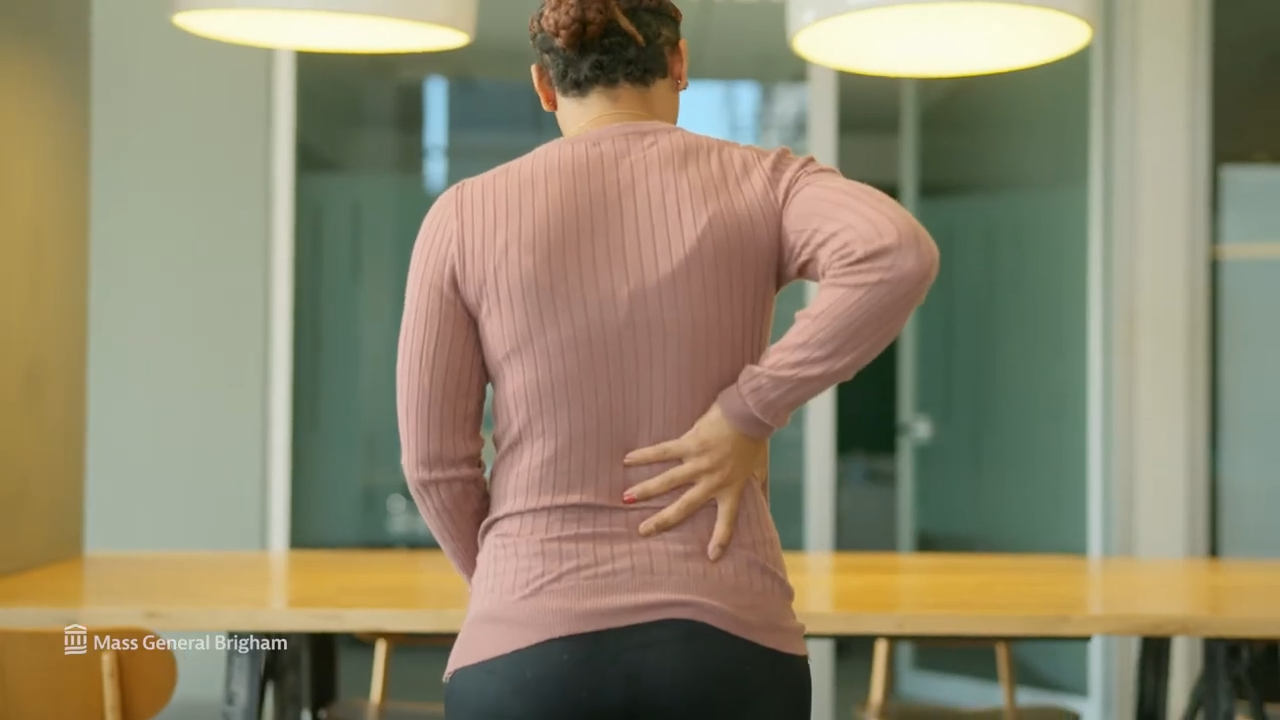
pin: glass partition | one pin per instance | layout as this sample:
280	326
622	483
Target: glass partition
1001	371
997	367
1246	149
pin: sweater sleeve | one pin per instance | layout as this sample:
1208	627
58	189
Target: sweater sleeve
440	390
873	263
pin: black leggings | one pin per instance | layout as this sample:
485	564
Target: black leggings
665	670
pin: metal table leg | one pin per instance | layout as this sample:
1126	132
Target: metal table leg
303	675
286	677
1219	695
322	668
243	685
1153	678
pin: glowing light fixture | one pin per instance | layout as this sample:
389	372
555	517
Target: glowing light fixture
332	26
937	38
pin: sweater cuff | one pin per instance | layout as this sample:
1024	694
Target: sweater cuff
741	416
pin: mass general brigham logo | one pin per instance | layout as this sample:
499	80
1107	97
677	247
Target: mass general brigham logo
75	641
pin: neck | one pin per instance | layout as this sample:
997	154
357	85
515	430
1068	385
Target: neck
610	107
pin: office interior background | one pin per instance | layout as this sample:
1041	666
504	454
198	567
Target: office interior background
1094	372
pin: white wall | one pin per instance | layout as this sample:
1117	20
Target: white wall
177	297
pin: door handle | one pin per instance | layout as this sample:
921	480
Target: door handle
919	429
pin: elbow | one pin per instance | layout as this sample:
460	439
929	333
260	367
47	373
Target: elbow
419	473
917	262
428	471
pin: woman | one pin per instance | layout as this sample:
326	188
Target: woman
616	287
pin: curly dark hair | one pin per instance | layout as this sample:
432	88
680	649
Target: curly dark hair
589	44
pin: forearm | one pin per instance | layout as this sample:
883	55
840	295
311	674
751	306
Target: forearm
454	510
843	330
873	264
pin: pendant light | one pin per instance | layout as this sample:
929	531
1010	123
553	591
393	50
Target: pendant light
332	26
937	38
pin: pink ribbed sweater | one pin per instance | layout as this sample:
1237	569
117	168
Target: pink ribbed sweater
611	286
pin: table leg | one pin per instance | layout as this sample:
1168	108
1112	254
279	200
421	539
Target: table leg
1219	696
1242	670
243	684
322	666
286	678
1153	678
1257	708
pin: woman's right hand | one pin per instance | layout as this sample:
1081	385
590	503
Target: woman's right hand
717	460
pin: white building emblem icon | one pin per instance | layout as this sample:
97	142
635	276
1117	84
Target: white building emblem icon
75	640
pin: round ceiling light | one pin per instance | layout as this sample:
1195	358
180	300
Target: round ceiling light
332	26
937	38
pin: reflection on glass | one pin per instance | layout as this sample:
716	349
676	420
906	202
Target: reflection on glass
747	111
435	134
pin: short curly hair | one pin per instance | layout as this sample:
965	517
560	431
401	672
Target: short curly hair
589	44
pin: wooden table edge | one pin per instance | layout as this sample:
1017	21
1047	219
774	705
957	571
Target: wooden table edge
817	624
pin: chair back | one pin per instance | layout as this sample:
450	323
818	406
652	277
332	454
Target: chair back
77	674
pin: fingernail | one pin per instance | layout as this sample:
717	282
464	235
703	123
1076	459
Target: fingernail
646	530
628	498
627	460
716	552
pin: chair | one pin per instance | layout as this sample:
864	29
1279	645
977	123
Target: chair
378	707
878	706
39	678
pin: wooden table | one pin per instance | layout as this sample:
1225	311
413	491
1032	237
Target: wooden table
837	595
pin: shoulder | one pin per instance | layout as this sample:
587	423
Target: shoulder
750	155
781	169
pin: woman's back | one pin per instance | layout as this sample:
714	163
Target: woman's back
612	286
619	281
616	288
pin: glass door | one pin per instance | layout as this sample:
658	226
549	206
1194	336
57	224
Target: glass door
992	373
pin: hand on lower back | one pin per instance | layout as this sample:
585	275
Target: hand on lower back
716	462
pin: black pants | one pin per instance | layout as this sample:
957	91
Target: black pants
665	670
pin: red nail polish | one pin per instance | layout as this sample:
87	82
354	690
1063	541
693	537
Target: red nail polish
629	499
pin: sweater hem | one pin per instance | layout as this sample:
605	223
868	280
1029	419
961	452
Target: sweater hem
502	626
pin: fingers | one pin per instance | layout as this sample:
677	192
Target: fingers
726	520
662	452
761	475
676	513
662	484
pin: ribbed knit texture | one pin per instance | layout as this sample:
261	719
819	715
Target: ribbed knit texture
611	286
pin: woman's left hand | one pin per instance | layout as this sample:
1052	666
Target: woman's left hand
717	460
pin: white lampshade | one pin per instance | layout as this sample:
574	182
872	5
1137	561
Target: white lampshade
937	38
332	26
